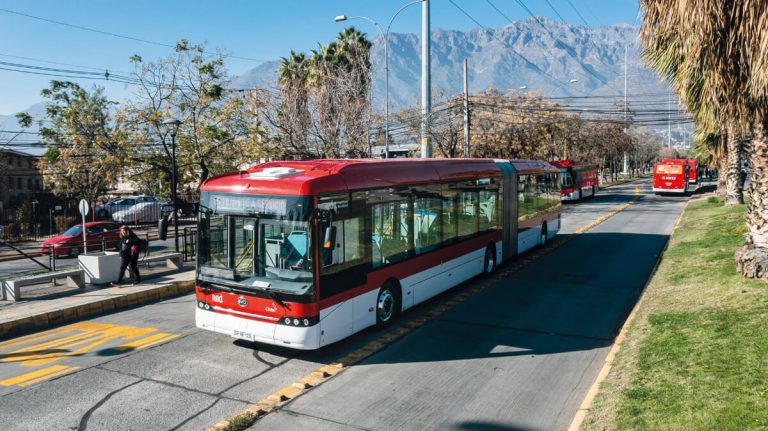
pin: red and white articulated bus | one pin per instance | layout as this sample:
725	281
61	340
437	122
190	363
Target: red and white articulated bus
305	253
671	176
693	166
579	180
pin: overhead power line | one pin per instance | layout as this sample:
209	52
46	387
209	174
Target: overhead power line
108	33
577	13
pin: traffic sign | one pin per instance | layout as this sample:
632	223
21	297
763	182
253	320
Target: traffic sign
84	207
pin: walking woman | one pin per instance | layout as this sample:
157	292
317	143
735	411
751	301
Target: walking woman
130	245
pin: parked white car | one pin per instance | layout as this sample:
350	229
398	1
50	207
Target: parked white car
145	212
106	210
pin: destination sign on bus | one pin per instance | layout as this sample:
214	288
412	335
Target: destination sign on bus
249	204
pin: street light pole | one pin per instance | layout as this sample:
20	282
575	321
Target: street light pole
174	125
385	35
426	96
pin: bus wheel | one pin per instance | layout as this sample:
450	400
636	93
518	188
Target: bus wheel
543	234
580	194
386	305
489	263
594	190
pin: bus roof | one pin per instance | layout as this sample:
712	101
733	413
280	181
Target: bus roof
580	166
676	161
311	177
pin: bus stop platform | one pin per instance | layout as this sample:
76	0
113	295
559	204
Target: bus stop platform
22	317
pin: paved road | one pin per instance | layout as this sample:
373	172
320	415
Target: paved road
519	355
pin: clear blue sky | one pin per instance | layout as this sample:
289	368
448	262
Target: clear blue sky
259	29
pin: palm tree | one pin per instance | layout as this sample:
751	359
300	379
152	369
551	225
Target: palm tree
695	67
714	53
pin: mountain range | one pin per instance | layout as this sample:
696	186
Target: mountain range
559	59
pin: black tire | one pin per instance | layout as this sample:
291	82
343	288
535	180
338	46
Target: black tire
74	251
489	263
594	190
543	236
580	196
387	305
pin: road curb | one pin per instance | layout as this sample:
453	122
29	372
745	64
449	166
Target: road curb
97	305
589	398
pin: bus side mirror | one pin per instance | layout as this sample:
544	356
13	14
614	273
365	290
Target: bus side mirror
329	242
162	229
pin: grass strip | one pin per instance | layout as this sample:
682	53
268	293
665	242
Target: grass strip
696	355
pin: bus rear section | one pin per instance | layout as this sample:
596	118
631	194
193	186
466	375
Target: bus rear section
578	180
670	178
692	168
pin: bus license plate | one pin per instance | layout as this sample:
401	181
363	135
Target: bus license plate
243	335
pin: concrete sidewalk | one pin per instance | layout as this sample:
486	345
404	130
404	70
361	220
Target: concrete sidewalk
40	314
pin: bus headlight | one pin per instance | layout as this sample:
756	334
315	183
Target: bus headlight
299	321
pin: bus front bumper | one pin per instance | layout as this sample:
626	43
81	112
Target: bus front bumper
660	190
303	338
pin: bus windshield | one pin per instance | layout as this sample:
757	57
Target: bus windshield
255	242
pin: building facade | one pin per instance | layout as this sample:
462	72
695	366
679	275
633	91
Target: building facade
20	178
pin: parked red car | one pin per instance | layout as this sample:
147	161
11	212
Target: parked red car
70	243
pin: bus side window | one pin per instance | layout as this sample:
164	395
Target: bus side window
468	213
390	232
448	215
488	211
426	224
349	247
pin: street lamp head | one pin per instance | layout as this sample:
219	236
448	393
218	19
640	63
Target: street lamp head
172	122
523	87
171	125
340	18
573	80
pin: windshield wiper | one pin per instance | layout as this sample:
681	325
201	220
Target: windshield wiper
275	297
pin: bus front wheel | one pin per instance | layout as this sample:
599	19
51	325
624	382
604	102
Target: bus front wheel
386	305
543	234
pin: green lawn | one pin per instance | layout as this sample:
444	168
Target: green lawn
696	356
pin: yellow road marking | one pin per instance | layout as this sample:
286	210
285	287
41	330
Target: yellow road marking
33	375
43	335
59	344
49	376
147	341
255	411
95	341
68	341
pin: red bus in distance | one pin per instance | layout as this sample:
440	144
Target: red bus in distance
302	254
671	177
579	180
693	165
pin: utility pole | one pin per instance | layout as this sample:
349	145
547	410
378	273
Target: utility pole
426	97
669	119
626	113
466	109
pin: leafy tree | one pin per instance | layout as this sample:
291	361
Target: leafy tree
217	132
86	149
